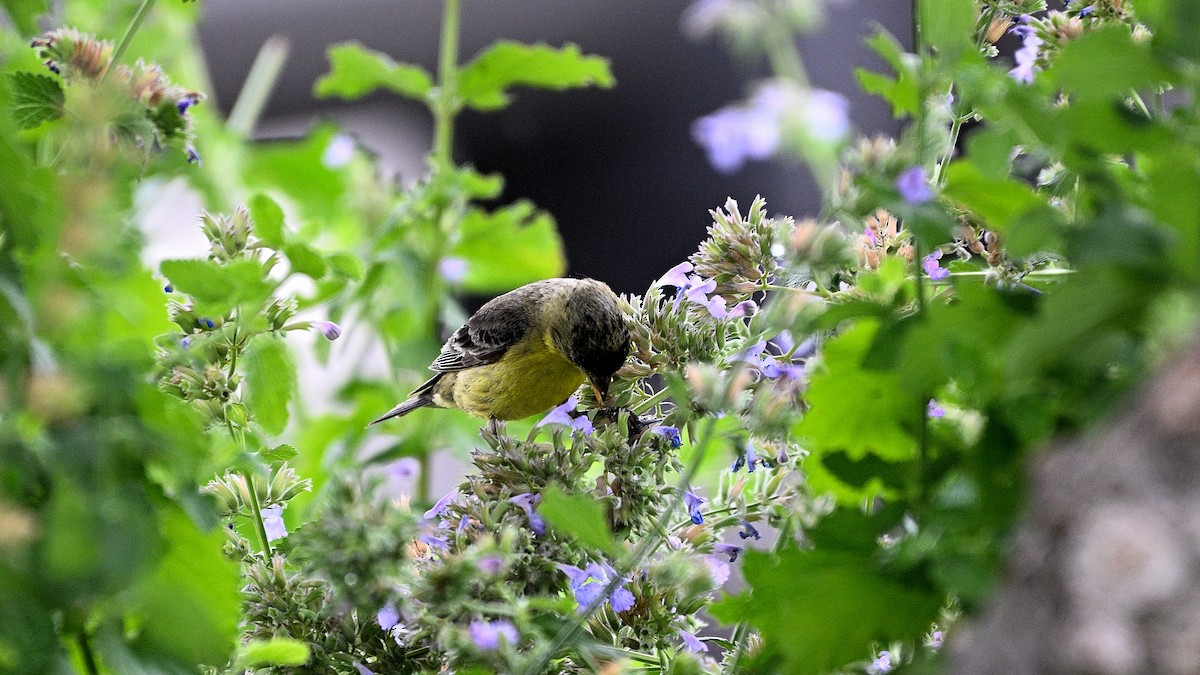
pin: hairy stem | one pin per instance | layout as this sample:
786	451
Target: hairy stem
123	46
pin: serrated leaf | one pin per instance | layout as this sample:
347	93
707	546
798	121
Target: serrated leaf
24	13
270	382
218	286
356	71
345	265
305	260
35	99
484	82
508	247
578	516
275	652
819	611
268	219
280	453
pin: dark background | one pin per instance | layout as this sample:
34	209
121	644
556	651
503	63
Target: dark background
618	168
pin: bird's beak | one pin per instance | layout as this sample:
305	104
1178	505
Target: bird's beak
600	388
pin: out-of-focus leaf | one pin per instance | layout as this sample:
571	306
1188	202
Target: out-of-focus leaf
305	260
901	92
270	382
275	652
219	286
579	516
194	586
35	99
820	610
268	219
297	170
357	71
1104	64
508	247
24	13
948	25
484	82
998	201
345	265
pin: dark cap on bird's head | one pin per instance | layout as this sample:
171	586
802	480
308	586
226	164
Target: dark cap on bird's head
594	335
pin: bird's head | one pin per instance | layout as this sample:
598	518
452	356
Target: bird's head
593	335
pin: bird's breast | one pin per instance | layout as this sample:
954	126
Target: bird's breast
531	378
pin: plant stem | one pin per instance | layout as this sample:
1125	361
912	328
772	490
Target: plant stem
136	23
257	515
89	656
653	400
258	86
445	105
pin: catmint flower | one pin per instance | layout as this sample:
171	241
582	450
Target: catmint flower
1026	57
730	550
207	323
491	564
934	410
677	276
168	288
826	115
735	134
488	635
782	457
870	235
718	568
329	329
933	268
562	415
388	617
691	642
405	468
935	640
526	501
693	501
462	524
751	458
186	102
193	157
914	185
881	664
748	531
363	670
587	585
439	507
272	518
716	307
452	269
695	289
434	542
669	433
339	152
185	342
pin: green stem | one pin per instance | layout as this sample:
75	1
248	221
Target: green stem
1141	105
89	656
259	84
256	516
652	401
136	23
955	128
445	105
783	55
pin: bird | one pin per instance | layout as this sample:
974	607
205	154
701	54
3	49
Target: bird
527	351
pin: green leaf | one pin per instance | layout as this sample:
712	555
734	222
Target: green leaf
357	71
508	247
821	610
280	453
268	219
24	13
305	260
1104	64
999	201
270	382
218	286
274	652
902	92
345	265
578	516
948	25
194	586
483	83
297	169
1173	23
35	99
1175	201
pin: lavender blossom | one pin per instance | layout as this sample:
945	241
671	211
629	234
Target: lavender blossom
691	642
562	415
488	635
440	506
526	501
913	185
693	502
1026	57
272	518
329	329
933	268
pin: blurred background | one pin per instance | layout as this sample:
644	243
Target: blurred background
618	168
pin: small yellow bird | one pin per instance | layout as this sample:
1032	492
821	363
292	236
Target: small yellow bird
527	351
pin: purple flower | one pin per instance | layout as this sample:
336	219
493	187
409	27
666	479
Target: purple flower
870	235
388	616
562	415
693	502
1027	56
185	342
404	468
735	134
588	585
329	329
440	506
677	276
339	152
695	289
748	458
363	670
691	642
491	564
935	640
526	501
934	410
193	157
272	519
757	357
782	457
914	185
748	531
716	307
881	664
488	635
933	268
207	323
730	550
434	542
718	568
462	524
826	115
168	288
186	102
669	433
452	269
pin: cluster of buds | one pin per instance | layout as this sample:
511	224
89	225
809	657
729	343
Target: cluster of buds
228	236
665	336
232	491
740	253
881	237
73	54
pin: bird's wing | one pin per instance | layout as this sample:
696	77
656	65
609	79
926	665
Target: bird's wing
486	336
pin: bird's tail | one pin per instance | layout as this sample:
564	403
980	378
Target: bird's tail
406	407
